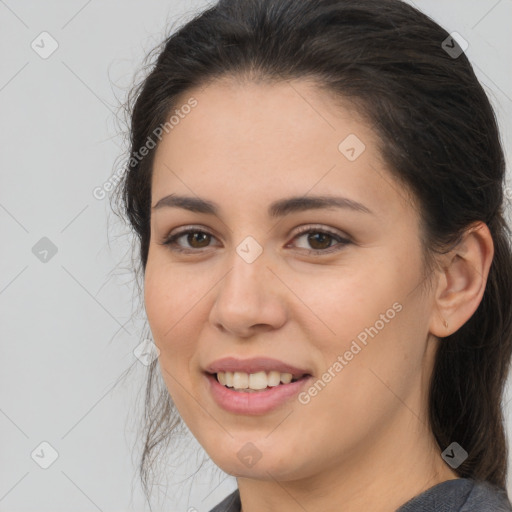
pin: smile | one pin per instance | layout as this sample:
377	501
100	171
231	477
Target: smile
247	401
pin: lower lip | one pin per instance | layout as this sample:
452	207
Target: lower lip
258	402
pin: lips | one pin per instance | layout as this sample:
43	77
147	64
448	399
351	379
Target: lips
254	365
256	402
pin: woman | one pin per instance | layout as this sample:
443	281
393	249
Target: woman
317	189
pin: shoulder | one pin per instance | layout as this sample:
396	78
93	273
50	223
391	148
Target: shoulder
460	495
485	496
229	504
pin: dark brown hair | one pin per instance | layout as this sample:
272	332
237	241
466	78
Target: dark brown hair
438	135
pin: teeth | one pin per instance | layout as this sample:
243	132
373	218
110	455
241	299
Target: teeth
255	381
240	380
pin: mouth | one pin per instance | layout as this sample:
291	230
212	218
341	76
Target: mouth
254	386
237	396
256	382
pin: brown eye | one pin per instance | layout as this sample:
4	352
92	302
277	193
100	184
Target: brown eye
195	240
319	241
200	239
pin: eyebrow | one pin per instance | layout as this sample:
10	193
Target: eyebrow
276	209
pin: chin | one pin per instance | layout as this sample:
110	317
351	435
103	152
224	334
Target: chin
268	467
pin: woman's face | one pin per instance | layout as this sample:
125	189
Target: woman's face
343	301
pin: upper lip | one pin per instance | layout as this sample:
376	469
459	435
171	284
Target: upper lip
254	365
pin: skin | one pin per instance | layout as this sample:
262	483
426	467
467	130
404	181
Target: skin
363	441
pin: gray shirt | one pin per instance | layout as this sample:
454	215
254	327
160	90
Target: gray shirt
460	495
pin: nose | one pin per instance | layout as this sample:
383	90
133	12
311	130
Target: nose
250	298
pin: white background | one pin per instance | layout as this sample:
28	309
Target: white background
67	333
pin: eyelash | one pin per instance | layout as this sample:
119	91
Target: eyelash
171	240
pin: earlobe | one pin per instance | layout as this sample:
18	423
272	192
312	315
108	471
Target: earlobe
462	284
441	332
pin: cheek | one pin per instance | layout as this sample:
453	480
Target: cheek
364	326
342	306
172	303
172	309
171	295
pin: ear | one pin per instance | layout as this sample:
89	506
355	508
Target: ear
462	280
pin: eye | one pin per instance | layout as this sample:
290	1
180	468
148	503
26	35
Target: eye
320	239
196	238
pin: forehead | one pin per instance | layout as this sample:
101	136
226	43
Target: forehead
270	115
268	139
